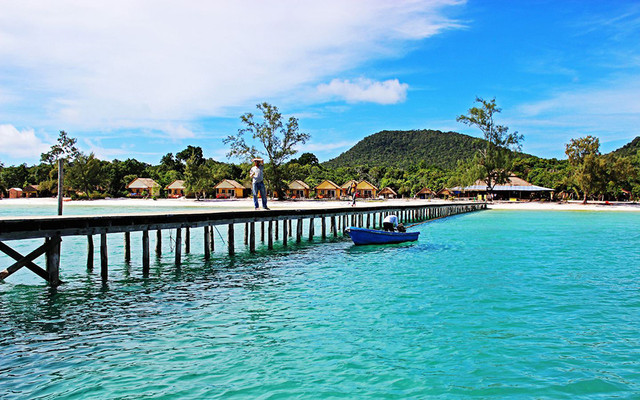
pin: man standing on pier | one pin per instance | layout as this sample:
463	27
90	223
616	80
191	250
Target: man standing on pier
257	175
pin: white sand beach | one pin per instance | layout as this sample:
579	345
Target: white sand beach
247	204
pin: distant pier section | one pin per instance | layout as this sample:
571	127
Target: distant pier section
274	225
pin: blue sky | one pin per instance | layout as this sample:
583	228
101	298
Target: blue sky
141	78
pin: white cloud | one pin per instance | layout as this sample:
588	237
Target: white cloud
25	143
610	110
113	64
366	90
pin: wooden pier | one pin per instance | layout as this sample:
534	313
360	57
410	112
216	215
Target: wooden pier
277	223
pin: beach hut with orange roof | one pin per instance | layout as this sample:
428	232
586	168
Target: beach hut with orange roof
298	190
367	190
328	190
176	189
140	185
229	189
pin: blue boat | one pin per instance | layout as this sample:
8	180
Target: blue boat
362	236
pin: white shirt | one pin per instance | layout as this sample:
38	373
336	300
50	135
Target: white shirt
256	174
392	219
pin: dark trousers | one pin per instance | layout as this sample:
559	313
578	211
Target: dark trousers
387	226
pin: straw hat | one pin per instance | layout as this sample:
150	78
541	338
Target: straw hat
258	159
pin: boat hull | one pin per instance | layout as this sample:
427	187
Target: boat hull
362	236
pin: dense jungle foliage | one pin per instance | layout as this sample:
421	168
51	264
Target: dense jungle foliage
404	170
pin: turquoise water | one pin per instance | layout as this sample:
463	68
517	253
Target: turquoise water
493	304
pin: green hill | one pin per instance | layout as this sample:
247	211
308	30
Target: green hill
629	149
406	148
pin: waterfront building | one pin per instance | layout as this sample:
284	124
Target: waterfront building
388	193
140	185
229	189
176	189
298	190
367	190
425	193
328	190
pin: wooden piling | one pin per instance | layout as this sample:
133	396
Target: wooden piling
299	231
207	242
90	252
334	229
262	231
285	233
127	247
323	227
104	257
246	233
311	229
231	240
145	252
252	237
53	260
270	235
158	243
187	240
178	250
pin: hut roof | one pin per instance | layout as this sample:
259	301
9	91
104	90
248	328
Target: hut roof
143	183
31	188
388	190
229	184
16	189
327	185
298	185
348	184
513	184
366	185
426	190
443	191
177	185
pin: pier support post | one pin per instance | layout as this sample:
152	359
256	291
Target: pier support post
231	240
178	253
277	230
246	233
158	243
368	220
311	229
285	232
90	252
53	260
211	238
207	243
127	247
270	235
104	257
290	228
299	231
252	237
334	229
187	240
323	227
262	231
145	252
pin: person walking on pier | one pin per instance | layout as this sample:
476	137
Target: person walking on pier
353	190
257	175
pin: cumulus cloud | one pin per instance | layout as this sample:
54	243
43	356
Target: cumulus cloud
21	143
366	90
108	64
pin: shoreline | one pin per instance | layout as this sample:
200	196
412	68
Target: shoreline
245	204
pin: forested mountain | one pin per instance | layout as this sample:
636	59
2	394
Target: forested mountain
403	149
629	149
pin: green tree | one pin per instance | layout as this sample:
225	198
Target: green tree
65	148
588	167
277	140
494	162
86	173
198	178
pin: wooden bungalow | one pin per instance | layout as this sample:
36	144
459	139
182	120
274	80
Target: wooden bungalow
445	193
388	193
31	190
367	190
328	190
140	185
176	189
515	189
230	189
15	193
425	193
298	190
